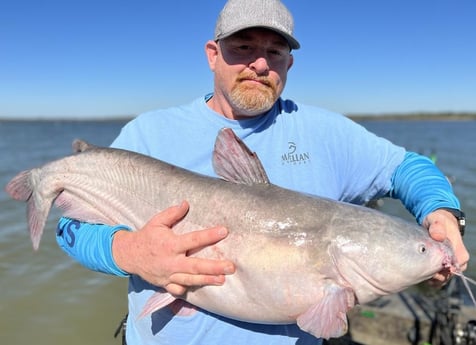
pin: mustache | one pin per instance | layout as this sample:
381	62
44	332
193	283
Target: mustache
252	76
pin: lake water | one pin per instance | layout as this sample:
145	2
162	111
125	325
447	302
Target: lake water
47	298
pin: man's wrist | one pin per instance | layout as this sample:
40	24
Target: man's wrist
460	218
120	246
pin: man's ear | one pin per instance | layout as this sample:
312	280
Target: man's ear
211	50
291	61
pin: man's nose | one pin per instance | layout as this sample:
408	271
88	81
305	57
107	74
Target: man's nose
260	65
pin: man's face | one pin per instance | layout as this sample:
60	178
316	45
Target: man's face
250	70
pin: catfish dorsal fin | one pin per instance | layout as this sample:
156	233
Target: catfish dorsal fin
81	146
234	161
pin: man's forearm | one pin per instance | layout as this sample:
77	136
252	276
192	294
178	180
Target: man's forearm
89	244
422	187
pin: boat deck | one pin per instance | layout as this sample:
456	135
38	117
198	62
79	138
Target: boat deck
414	317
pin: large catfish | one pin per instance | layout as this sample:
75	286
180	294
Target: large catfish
299	258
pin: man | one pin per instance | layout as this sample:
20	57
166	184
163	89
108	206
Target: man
250	57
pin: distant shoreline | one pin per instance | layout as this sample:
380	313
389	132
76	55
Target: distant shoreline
415	117
87	119
444	116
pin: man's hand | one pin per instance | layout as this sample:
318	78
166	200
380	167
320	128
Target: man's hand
443	225
159	256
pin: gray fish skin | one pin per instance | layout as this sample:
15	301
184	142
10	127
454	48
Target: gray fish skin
299	259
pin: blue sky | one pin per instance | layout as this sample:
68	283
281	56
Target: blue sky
98	58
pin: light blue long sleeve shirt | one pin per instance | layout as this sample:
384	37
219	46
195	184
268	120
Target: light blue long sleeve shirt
303	148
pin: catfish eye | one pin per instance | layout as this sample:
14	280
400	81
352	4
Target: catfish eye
421	249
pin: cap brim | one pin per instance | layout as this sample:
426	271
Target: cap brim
293	43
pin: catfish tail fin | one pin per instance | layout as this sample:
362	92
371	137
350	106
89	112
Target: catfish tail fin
23	187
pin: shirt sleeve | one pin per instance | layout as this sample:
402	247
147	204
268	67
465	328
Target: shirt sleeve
89	244
421	186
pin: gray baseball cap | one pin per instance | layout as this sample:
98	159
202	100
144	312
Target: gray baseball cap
238	15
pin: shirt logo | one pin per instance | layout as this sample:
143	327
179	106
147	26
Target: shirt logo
294	156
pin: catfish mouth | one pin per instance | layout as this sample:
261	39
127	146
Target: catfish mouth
449	262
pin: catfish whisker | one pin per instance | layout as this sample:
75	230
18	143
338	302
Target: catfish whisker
472	281
465	281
